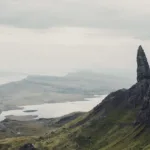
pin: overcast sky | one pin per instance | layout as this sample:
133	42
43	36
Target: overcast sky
59	36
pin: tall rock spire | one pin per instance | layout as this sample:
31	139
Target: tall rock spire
143	70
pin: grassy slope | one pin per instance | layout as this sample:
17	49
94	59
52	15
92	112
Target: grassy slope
114	132
108	134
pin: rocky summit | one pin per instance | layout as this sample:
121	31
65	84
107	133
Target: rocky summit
143	77
143	70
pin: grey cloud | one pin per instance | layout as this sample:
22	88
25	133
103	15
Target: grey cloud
59	13
85	13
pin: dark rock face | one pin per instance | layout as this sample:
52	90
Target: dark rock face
143	70
144	114
143	76
138	96
28	146
137	93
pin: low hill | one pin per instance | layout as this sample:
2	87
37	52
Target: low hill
51	89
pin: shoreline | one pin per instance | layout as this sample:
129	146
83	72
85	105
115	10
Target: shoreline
52	110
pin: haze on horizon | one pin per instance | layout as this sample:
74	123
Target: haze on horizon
59	36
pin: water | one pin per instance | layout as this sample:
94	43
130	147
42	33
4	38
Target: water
53	110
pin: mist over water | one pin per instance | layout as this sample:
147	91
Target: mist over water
13	78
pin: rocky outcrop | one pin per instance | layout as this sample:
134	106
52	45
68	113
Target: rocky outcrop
28	146
143	70
144	114
143	75
136	98
137	93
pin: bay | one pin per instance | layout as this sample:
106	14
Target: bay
53	110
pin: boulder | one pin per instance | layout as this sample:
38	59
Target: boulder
28	146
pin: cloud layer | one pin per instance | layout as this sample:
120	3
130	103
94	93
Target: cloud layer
131	16
57	36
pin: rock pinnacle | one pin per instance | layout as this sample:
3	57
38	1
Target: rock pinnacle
143	70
